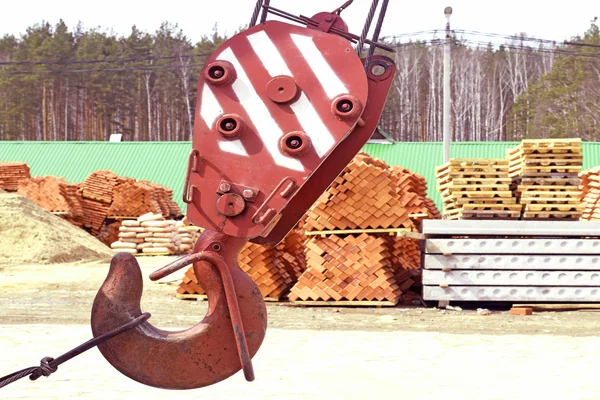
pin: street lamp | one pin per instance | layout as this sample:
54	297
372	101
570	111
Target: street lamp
447	100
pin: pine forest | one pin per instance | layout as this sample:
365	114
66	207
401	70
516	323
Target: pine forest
85	84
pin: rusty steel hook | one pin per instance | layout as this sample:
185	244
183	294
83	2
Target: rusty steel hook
222	344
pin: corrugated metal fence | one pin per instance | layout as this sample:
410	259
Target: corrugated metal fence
165	162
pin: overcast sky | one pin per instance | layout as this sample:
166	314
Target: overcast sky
537	18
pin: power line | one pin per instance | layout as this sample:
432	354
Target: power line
526	38
538	50
96	61
141	68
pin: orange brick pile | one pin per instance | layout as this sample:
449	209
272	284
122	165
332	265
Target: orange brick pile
368	194
292	252
355	268
101	197
55	195
99	186
11	173
148	234
46	192
263	265
590	185
147	196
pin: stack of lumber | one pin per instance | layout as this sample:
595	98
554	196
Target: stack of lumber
351	268
11	173
545	177
590	185
476	188
262	264
149	234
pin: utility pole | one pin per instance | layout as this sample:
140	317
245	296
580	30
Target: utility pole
447	45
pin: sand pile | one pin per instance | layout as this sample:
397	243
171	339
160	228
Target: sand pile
31	235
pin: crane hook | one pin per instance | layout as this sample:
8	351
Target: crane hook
217	347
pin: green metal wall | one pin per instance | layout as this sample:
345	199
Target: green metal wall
165	162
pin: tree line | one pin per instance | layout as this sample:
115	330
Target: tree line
87	84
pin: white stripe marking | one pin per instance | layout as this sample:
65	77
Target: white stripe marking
233	146
313	126
268	54
266	126
331	83
210	108
210	111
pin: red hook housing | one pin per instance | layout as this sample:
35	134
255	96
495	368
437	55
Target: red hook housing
220	345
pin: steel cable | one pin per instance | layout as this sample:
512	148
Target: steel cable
365	32
49	365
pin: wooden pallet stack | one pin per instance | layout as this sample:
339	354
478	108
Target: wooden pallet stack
149	234
477	188
263	265
348	268
545	176
11	173
590	196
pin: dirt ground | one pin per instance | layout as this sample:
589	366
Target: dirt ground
308	353
63	294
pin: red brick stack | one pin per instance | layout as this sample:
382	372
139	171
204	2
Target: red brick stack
11	173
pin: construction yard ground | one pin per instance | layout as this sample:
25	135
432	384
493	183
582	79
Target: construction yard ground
308	353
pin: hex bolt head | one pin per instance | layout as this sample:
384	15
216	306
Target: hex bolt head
224	187
248	194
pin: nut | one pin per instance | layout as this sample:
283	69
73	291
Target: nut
248	194
224	187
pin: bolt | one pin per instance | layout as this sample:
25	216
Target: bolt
224	187
328	18
218	73
345	107
229	126
248	194
295	143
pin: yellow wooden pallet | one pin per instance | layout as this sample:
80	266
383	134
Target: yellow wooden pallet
551	215
483	194
474	188
554	207
489	214
499	207
548	200
527	169
496	200
550	193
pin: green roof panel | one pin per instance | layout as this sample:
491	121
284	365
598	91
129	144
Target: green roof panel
165	162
